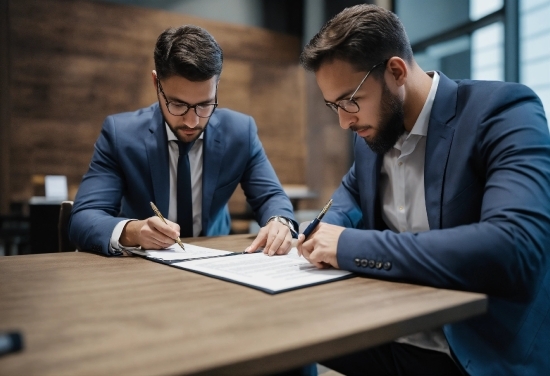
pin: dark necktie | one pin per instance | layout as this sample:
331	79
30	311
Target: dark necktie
184	196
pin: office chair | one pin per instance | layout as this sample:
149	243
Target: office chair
65	244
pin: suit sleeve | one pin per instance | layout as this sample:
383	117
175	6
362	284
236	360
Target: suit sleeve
260	184
345	209
506	252
97	202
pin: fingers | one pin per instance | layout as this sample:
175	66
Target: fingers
168	229
316	259
156	234
278	239
299	245
286	245
258	242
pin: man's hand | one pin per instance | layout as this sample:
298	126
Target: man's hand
274	237
151	233
321	246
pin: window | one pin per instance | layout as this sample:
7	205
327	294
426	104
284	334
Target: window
534	48
488	53
505	40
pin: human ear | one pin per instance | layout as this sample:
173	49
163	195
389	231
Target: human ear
398	69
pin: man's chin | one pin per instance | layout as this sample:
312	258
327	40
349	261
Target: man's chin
187	137
378	147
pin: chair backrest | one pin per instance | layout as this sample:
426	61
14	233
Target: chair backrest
65	244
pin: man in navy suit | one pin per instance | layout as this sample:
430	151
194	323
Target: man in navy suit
450	188
183	155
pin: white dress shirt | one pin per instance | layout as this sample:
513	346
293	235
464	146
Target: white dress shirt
195	164
403	197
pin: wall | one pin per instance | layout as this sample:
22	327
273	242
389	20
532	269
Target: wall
72	63
4	109
242	12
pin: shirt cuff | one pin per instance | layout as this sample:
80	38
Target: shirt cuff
115	247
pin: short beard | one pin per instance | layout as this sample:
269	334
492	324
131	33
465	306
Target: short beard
184	141
391	125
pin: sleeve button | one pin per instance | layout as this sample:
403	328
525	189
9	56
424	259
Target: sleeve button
387	265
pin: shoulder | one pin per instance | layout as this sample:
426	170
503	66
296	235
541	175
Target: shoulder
495	102
494	93
232	122
226	117
135	119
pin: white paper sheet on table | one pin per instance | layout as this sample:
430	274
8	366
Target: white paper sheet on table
270	274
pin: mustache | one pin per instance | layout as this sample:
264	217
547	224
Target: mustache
357	128
186	128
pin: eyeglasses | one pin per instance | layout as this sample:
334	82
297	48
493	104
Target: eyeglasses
350	105
203	110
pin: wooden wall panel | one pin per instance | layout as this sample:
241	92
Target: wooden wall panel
75	62
4	109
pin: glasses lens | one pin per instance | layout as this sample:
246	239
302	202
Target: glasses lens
204	110
177	109
349	106
332	106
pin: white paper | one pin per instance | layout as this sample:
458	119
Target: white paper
174	252
275	273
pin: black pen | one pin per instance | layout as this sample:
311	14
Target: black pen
309	229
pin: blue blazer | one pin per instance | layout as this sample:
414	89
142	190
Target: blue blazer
487	189
130	168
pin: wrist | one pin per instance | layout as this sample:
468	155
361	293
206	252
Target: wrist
285	221
130	234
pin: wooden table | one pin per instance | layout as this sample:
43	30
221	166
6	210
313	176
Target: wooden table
84	314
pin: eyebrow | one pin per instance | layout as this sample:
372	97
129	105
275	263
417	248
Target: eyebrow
345	95
177	100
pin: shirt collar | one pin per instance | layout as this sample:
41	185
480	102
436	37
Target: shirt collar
421	125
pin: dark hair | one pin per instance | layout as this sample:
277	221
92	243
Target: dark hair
362	35
188	51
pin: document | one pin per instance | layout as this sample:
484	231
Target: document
273	274
174	253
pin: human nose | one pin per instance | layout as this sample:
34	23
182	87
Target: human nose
191	118
346	119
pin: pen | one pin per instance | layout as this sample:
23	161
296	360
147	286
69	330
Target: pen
309	229
157	212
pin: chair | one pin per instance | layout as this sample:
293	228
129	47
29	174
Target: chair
65	244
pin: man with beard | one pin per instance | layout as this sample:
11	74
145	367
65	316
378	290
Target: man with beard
183	156
450	188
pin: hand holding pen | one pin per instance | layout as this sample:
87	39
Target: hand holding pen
158	213
313	224
320	250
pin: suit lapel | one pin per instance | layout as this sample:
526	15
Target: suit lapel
438	146
213	151
157	154
370	163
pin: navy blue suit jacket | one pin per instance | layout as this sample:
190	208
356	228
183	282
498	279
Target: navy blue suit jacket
130	168
487	189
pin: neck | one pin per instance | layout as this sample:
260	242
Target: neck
416	92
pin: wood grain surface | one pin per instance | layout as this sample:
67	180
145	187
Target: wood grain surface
85	314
